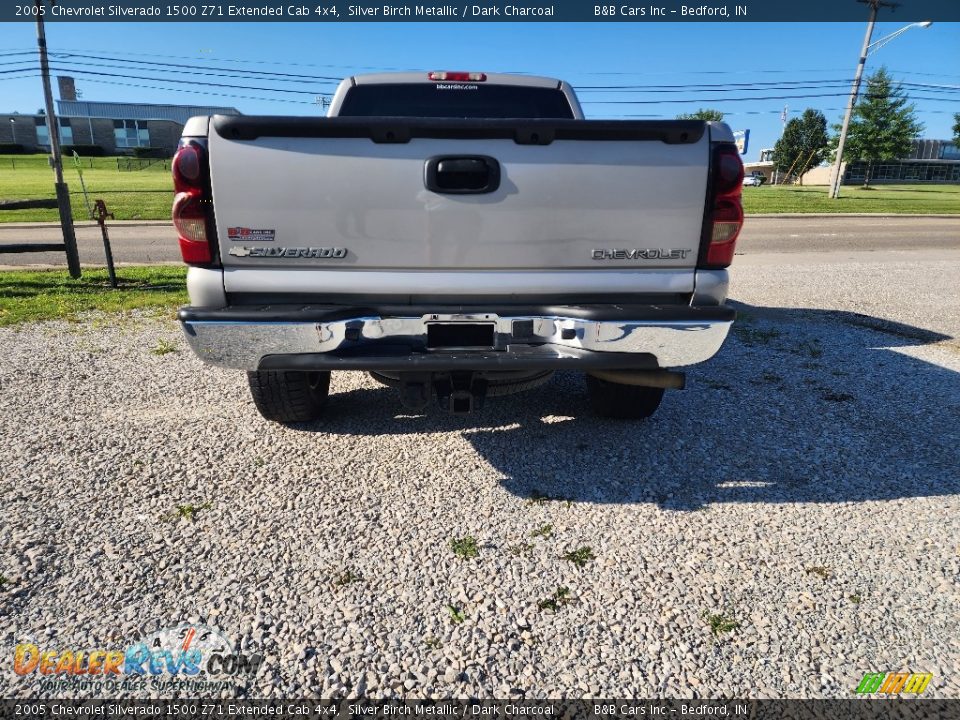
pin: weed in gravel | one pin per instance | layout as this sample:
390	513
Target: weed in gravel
465	547
755	336
837	397
820	571
346	577
521	549
164	347
579	557
258	462
188	511
561	597
433	643
3	580
457	615
720	623
544	531
855	599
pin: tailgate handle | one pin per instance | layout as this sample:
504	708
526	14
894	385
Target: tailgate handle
462	174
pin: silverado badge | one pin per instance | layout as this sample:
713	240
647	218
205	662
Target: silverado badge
334	253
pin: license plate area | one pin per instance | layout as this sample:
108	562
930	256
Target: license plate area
460	336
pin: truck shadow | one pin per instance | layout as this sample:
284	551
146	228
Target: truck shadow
799	406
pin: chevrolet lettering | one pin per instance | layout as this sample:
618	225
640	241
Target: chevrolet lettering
638	254
460	235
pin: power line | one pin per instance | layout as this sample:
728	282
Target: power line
202	92
194	68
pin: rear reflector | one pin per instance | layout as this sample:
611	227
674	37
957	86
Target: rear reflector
447	76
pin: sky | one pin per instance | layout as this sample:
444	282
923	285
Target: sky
655	70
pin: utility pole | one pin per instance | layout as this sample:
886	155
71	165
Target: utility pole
836	177
56	162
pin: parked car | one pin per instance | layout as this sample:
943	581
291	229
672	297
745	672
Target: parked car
753	180
457	235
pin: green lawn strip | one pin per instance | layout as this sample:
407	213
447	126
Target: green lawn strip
130	195
147	194
36	295
880	199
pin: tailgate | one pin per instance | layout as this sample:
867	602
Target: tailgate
340	193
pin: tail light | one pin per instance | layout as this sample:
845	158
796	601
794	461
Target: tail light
447	76
191	204
725	212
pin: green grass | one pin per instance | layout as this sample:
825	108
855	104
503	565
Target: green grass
164	347
720	623
36	295
544	531
465	547
579	557
820	571
147	194
561	596
457	615
134	195
891	199
188	511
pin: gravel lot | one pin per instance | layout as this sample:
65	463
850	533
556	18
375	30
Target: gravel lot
804	487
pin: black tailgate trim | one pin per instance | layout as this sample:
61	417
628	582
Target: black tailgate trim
402	129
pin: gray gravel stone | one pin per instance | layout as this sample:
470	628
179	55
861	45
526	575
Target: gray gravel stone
720	504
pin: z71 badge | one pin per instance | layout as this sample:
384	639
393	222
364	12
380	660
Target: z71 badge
334	253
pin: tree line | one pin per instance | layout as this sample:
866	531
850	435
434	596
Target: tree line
883	126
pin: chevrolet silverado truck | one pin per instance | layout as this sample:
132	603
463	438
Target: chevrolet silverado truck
458	236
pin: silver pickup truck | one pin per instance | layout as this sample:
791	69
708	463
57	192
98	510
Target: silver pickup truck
458	236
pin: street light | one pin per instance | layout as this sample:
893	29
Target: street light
13	129
868	47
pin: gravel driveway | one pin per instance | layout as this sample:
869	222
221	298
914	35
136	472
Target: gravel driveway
788	523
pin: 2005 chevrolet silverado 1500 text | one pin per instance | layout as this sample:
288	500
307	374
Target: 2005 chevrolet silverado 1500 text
457	235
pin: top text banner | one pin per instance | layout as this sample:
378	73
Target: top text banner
475	11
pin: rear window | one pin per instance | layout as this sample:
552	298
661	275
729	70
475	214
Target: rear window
455	100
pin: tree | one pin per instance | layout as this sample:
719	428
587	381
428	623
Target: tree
803	144
702	114
883	125
956	131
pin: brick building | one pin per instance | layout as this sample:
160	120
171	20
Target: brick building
115	126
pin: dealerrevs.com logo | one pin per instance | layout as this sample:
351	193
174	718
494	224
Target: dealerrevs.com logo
186	657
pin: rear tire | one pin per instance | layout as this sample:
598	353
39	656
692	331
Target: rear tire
288	396
624	402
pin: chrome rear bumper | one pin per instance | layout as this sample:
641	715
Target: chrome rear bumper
325	338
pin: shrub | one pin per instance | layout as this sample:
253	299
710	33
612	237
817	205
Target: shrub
150	152
83	150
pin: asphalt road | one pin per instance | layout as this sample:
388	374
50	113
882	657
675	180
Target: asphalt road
140	243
